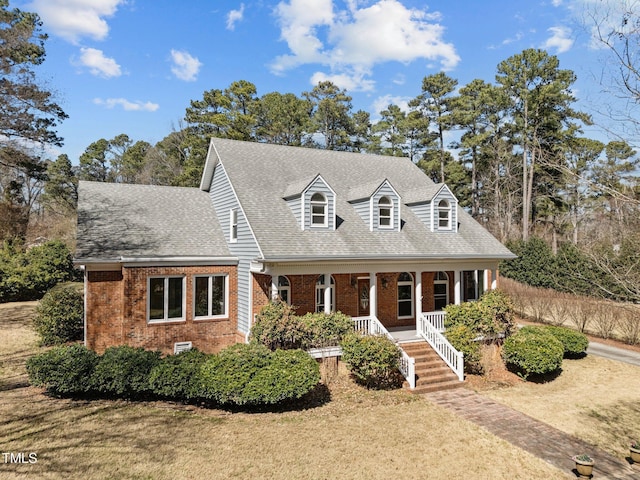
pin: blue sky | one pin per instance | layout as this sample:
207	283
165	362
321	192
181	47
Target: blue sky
132	66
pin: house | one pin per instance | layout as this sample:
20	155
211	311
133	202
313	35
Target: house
368	235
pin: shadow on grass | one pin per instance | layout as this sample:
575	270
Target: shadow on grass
539	378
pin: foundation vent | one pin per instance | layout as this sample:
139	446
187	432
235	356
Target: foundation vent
181	347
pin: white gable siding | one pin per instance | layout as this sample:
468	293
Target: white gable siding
295	204
385	191
245	248
423	212
363	208
445	194
319	186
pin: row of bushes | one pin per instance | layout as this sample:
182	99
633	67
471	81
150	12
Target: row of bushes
26	274
538	350
278	327
240	375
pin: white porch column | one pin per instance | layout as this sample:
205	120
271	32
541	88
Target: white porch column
418	296
494	279
485	281
327	294
274	287
457	288
373	294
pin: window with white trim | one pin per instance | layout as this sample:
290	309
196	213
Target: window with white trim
210	296
166	298
320	286
318	210
440	291
405	295
233	225
444	215
284	289
385	212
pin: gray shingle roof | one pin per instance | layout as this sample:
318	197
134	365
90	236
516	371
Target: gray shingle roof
262	175
146	221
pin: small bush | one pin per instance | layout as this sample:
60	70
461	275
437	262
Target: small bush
277	326
533	350
372	359
325	330
60	315
574	343
462	338
254	375
175	376
64	370
123	371
492	314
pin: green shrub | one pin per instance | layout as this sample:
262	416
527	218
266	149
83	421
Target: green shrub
492	314
175	376
372	359
60	315
64	370
533	350
123	371
575	343
251	374
277	326
27	275
325	330
462	338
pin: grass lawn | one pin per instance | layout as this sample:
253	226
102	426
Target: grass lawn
358	434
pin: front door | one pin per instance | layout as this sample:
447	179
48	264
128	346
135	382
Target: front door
363	297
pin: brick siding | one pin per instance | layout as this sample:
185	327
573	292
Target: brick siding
117	311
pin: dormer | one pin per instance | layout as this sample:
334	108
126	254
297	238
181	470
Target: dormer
313	203
378	205
437	208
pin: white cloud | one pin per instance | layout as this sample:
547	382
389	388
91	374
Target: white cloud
235	16
126	104
560	39
352	41
351	82
556	3
185	66
382	103
74	19
98	64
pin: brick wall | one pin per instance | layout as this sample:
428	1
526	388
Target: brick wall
117	312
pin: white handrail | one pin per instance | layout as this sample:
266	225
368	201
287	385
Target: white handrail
372	326
441	345
436	319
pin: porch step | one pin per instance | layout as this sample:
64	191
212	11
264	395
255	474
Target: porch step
432	373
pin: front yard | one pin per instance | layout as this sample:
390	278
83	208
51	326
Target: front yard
357	434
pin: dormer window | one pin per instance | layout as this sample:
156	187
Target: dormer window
444	215
318	206
385	212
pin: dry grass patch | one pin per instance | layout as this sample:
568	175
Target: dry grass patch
359	434
593	398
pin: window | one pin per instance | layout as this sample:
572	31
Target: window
320	294
210	296
284	289
440	290
385	213
166	298
233	225
472	284
318	210
444	215
405	295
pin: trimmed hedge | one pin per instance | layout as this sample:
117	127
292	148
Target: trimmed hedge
533	350
277	327
176	376
372	359
254	375
575	343
490	315
64	370
123	371
60	315
462	339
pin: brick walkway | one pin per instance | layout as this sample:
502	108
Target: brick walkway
539	439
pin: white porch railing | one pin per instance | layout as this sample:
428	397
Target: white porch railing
372	326
441	345
436	319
